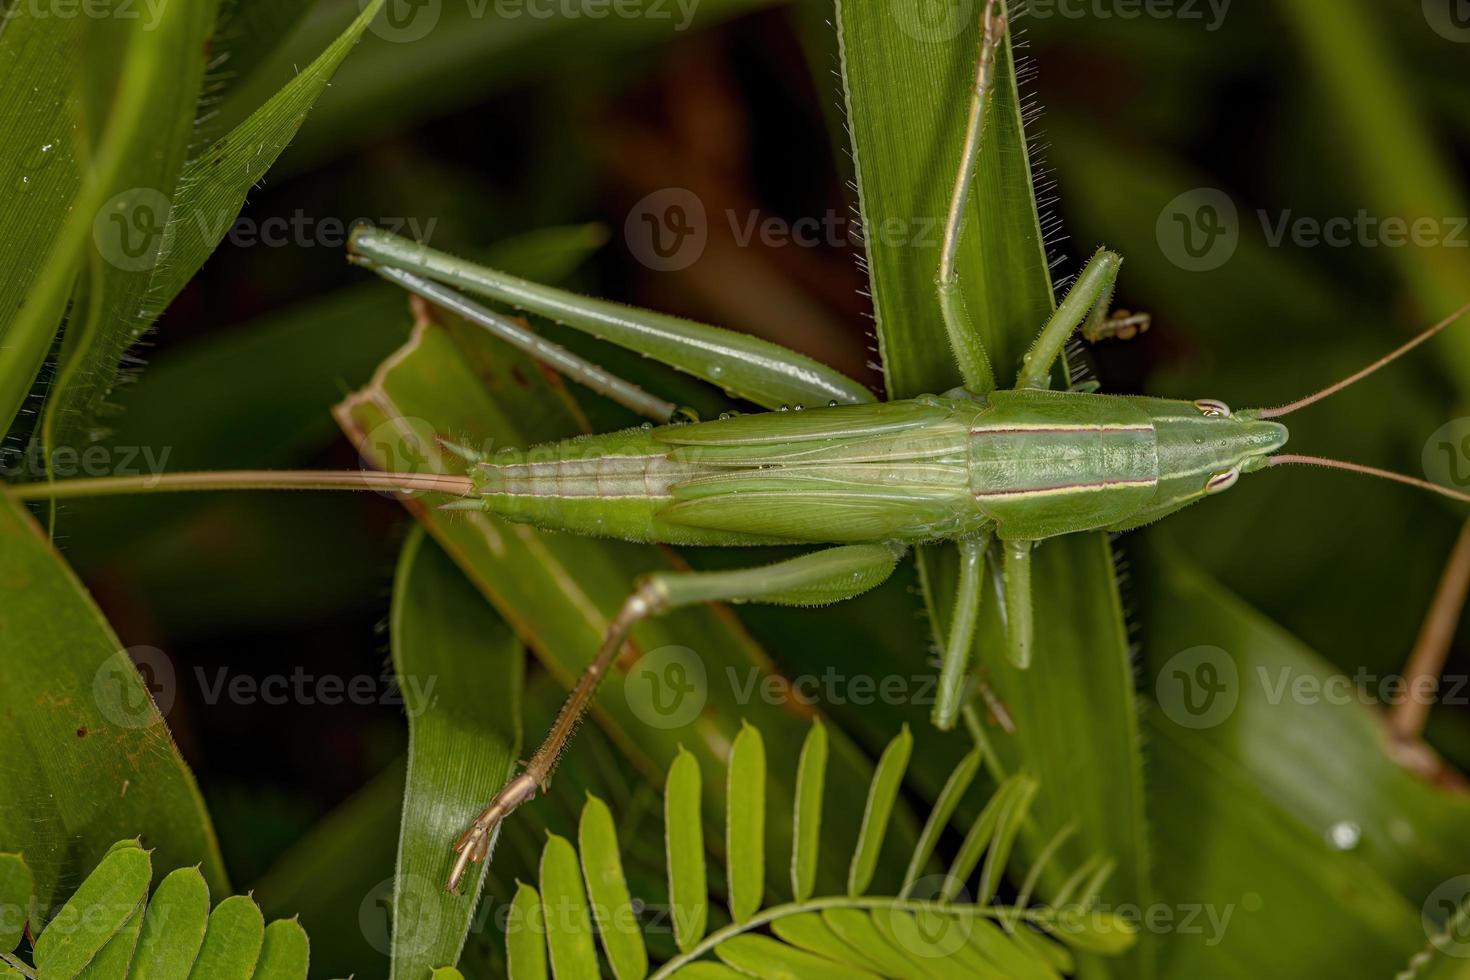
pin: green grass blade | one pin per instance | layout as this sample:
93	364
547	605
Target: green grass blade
87	749
568	924
607	888
806	834
101	906
231	942
16	888
684	836
1075	713
134	139
285	953
459	669
173	927
745	823
525	935
213	186
887	781
162	68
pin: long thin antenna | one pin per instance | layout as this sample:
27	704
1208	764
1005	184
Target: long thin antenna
1281	459
1332	389
111	486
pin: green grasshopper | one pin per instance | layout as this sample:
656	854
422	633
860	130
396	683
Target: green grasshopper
995	471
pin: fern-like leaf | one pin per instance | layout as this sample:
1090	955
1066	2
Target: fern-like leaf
932	928
111	929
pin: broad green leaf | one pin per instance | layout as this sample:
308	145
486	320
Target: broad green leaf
568	924
446	973
232	941
745	823
16	888
285	954
612	906
887	781
101	905
684	836
944	806
525	935
762	956
905	72
459	669
559	591
806	835
173	927
1295	804
89	757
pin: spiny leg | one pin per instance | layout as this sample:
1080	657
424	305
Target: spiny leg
1088	300
955	666
808	580
748	367
1016	570
969	349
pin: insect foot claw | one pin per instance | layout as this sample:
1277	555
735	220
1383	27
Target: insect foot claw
473	846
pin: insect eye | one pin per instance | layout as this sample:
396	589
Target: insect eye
1223	480
1213	407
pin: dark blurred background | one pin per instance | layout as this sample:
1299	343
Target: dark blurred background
488	130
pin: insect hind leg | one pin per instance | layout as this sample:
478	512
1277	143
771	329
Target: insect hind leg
808	580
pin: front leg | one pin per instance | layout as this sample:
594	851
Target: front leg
969	350
1088	299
